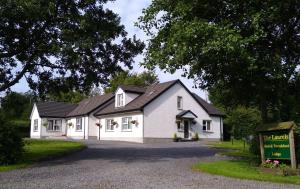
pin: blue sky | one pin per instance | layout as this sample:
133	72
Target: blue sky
129	11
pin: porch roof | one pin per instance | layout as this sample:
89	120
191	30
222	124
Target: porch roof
187	114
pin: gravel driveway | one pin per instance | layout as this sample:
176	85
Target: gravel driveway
128	166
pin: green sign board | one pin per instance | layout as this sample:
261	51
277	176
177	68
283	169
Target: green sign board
276	145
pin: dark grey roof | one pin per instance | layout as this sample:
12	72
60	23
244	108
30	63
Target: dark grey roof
132	89
88	105
182	113
55	109
209	108
151	93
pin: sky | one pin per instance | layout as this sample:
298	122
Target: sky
129	11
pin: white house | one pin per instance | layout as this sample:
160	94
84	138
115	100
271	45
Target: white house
131	114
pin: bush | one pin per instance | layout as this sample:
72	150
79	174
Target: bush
175	138
196	137
11	143
23	127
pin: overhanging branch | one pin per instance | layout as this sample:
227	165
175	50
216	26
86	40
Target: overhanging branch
6	85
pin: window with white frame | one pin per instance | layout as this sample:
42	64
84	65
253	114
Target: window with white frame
179	103
78	124
35	125
179	125
54	125
206	125
126	124
119	100
109	125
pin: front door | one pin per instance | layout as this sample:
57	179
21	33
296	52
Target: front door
186	129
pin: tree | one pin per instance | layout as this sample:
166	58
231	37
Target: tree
243	121
77	40
17	105
143	79
250	48
70	96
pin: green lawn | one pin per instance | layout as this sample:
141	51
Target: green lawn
236	148
243	170
36	150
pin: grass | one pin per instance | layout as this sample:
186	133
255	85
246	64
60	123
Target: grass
37	150
237	148
243	170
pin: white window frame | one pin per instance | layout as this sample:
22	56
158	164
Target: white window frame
109	127
179	102
126	124
35	125
78	126
180	126
54	125
206	126
120	101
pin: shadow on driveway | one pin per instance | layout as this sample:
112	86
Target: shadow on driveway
132	153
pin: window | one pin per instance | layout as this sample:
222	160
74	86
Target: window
119	100
206	125
179	102
54	125
109	125
179	126
35	125
78	124
126	124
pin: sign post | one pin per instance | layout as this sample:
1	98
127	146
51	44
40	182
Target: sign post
277	142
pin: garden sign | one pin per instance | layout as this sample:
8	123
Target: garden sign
277	142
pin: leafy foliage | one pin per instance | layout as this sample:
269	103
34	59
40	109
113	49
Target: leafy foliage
11	143
71	96
125	78
17	105
49	41
243	121
249	48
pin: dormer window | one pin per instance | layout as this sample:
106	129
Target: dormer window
120	100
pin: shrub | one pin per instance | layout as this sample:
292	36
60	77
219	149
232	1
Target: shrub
23	127
11	143
196	137
175	138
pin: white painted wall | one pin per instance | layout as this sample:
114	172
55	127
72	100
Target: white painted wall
135	135
45	133
127	97
93	129
35	115
73	133
160	116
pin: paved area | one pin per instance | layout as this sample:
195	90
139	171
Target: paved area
128	166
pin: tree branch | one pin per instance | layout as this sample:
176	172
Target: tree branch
16	79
